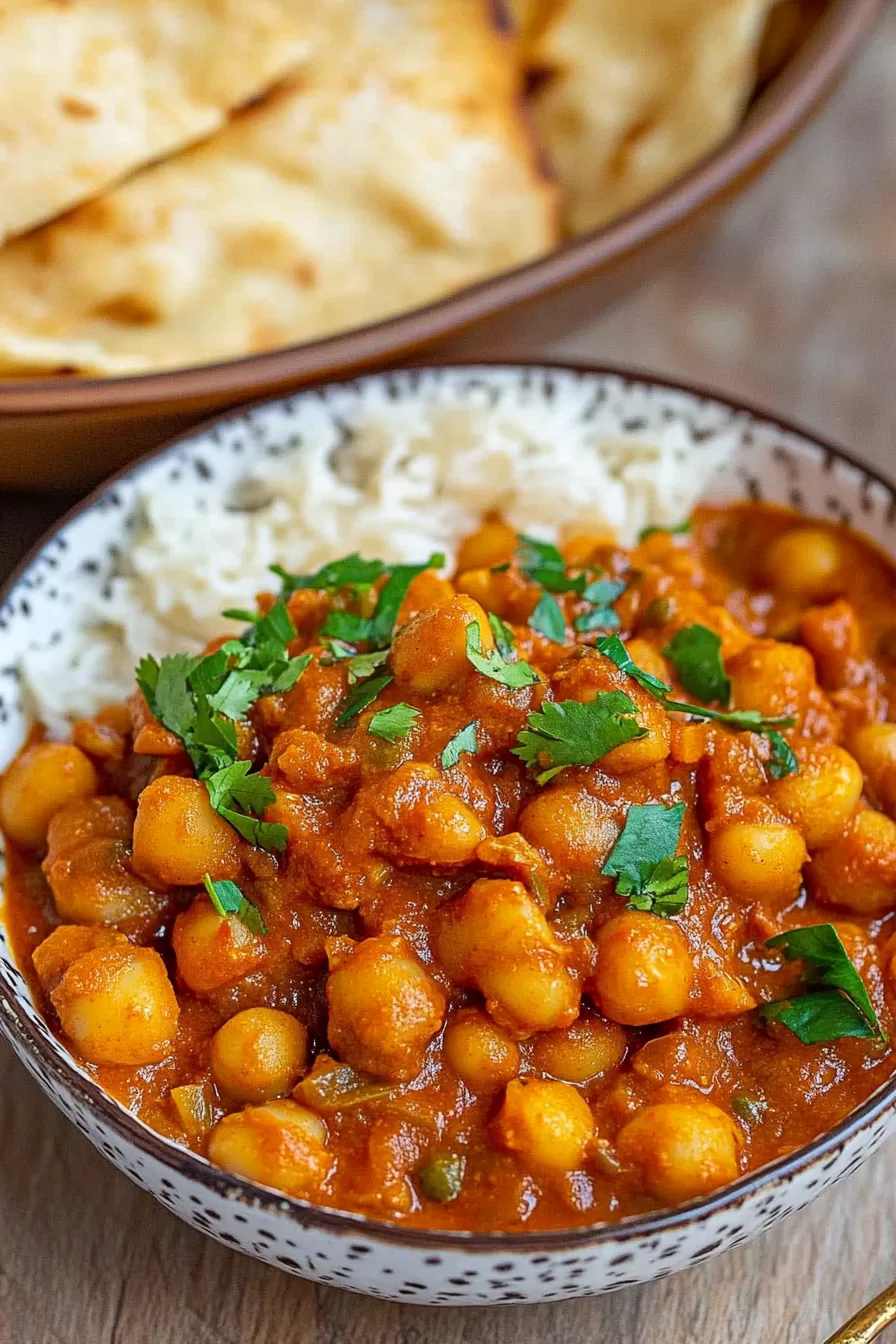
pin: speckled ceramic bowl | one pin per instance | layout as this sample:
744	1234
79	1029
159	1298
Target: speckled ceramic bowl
773	462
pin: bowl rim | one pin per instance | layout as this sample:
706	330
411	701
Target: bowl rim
774	117
189	1165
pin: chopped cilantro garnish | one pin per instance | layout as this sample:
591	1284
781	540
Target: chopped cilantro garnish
567	732
364	665
493	666
349	572
644	862
745	720
464	743
547	619
200	699
533	555
503	637
676	530
836	1003
377	629
227	899
364	694
393	723
782	760
696	654
599	618
347	627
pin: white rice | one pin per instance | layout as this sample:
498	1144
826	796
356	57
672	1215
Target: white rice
414	477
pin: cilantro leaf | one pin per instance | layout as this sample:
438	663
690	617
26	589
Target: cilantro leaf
841	1008
364	694
393	723
349	572
227	899
147	676
391	596
347	627
677	529
172	702
240	614
696	654
234	785
270	835
504	637
547	619
493	666
364	665
782	761
237	694
272	631
599	618
749	720
644	862
533	555
566	732
613	648
464	743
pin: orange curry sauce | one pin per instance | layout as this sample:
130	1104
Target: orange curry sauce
538	976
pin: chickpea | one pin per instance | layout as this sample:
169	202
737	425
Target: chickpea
806	563
41	780
546	1123
280	1144
642	752
833	636
52	958
213	950
384	1007
480	1053
493	543
681	1149
178	837
117	1005
821	798
259	1054
430	654
773	678
425	590
496	938
644	969
858	871
587	1049
96	886
102	818
874	746
573	829
423	821
758	861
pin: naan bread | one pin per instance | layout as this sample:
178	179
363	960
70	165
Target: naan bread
638	91
90	90
396	167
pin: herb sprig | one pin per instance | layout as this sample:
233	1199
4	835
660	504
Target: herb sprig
543	564
644	862
836	1002
568	732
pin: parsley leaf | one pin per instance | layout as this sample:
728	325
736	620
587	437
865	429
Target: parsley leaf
567	732
504	637
364	694
842	1008
493	666
393	723
464	743
676	530
696	654
227	899
782	761
547	619
644	862
349	572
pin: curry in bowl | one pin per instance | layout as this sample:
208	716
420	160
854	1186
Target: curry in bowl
549	893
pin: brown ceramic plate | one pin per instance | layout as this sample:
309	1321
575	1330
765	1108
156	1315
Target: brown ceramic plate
65	431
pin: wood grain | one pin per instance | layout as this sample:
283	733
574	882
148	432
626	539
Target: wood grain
790	303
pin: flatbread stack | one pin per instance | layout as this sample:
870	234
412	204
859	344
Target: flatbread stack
248	176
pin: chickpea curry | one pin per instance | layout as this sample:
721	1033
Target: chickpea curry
556	892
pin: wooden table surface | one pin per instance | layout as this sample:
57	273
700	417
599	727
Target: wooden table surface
792	303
